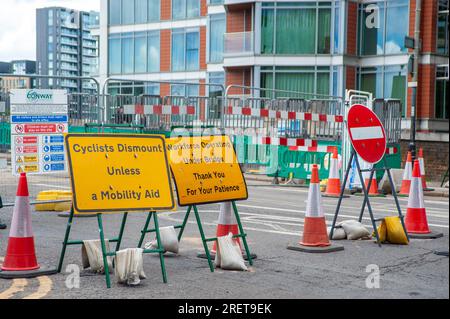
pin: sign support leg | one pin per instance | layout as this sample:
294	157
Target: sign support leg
160	248
366	196
202	234
363	208
341	196
122	228
145	229
183	226
104	252
242	233
66	239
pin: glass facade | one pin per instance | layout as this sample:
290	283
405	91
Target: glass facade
383	26
185	49
217	27
131	53
389	82
184	90
442	89
298	28
126	12
182	9
299	79
442	28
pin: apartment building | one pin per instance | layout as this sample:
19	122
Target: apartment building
65	47
311	46
17	67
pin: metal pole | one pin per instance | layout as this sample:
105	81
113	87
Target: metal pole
415	78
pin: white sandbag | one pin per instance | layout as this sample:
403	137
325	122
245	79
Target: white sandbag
338	234
169	240
91	255
229	255
129	266
355	230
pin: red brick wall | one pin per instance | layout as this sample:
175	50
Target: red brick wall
352	27
165	50
239	20
164	89
203	8
166	9
350	81
426	91
429	26
202	48
238	76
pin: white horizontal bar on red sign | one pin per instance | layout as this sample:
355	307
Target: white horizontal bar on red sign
158	109
391	150
316	149
284	115
283	141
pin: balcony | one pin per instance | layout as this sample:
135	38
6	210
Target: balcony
233	2
238	44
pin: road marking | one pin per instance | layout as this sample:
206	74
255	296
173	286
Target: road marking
45	286
18	285
54	186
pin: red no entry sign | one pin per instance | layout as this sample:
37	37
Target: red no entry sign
366	133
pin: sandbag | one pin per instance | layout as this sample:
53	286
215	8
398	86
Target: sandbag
338	234
229	255
355	230
395	232
91	255
382	232
129	266
169	240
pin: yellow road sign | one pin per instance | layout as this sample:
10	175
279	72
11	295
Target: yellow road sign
205	170
117	173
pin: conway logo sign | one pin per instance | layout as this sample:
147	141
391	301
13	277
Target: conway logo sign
33	96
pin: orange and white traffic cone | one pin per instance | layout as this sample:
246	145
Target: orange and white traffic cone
20	260
373	191
334	181
227	224
416	217
422	171
315	237
406	182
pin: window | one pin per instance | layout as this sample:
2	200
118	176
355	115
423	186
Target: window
185	50
182	9
128	12
296	28
387	82
442	88
153	51
297	79
184	90
381	29
217	25
442	32
140	52
114	12
216	2
127	53
154	10
141	11
216	78
50	17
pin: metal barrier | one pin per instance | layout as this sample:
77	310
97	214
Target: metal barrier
288	133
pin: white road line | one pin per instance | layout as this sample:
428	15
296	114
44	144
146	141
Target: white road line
53	186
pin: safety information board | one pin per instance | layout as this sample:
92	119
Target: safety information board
39	118
119	173
205	170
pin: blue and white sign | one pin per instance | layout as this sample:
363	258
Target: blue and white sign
39	119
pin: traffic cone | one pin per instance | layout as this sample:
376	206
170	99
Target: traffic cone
315	237
373	191
20	260
422	171
226	224
334	182
416	217
406	182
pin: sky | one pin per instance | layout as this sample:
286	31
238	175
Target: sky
18	25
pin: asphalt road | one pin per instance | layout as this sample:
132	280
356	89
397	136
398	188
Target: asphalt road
273	218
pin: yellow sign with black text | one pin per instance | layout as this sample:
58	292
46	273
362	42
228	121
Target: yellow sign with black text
205	170
119	173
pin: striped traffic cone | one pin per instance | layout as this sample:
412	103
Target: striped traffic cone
20	260
422	171
315	237
373	191
227	224
406	182
334	181
416	217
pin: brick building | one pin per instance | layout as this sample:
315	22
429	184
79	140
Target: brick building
309	46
